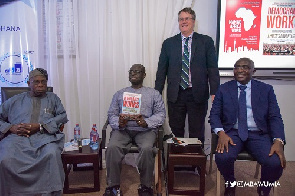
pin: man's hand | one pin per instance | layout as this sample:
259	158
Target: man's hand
25	129
141	122
278	148
123	119
223	141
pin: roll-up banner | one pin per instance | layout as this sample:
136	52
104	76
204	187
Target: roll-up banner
18	42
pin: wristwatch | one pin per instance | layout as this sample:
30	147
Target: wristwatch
41	128
279	139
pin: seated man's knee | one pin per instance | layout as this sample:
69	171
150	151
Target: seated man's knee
147	150
272	161
52	153
113	148
224	157
6	159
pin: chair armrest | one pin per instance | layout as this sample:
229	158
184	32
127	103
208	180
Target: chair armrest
214	141
160	137
104	134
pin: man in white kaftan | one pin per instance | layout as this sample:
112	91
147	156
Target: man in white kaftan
31	142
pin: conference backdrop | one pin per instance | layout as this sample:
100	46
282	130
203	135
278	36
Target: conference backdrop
18	43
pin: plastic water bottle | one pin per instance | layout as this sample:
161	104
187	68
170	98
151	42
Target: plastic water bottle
97	134
95	128
91	134
77	133
94	138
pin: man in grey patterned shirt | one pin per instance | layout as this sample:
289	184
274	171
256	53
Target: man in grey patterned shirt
141	128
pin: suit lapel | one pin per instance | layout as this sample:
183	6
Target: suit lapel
233	90
255	94
178	49
194	45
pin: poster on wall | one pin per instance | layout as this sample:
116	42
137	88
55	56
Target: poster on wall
262	30
18	38
242	26
278	28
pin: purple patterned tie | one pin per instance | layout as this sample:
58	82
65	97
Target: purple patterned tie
243	127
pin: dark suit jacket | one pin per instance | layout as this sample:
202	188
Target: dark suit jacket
203	67
266	112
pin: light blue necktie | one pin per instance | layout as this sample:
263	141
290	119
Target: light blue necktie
242	126
185	66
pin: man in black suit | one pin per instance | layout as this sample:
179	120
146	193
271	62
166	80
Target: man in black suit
188	87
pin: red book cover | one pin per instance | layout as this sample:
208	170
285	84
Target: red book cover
242	25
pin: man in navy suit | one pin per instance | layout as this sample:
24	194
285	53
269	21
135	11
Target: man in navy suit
264	136
202	72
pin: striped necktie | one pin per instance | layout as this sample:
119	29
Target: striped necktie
185	66
242	126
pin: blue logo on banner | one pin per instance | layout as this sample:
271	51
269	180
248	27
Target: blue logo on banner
15	68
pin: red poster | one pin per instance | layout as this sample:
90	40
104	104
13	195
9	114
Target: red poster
242	25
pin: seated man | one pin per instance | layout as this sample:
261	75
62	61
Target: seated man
245	114
31	142
149	113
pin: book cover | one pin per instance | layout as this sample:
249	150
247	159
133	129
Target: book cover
278	27
131	103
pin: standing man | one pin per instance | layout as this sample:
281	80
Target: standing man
31	142
141	128
188	60
245	115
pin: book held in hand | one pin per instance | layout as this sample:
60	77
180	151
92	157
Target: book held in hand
131	103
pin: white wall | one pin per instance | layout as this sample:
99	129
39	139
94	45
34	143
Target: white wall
285	91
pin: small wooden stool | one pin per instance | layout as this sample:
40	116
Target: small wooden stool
192	155
86	156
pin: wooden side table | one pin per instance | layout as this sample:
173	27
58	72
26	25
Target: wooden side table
192	155
86	156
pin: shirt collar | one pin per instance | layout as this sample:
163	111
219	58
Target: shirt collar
248	84
190	36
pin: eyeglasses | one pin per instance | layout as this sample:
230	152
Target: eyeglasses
184	19
36	82
134	71
242	67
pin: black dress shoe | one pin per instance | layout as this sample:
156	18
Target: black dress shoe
230	191
113	191
263	191
145	191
